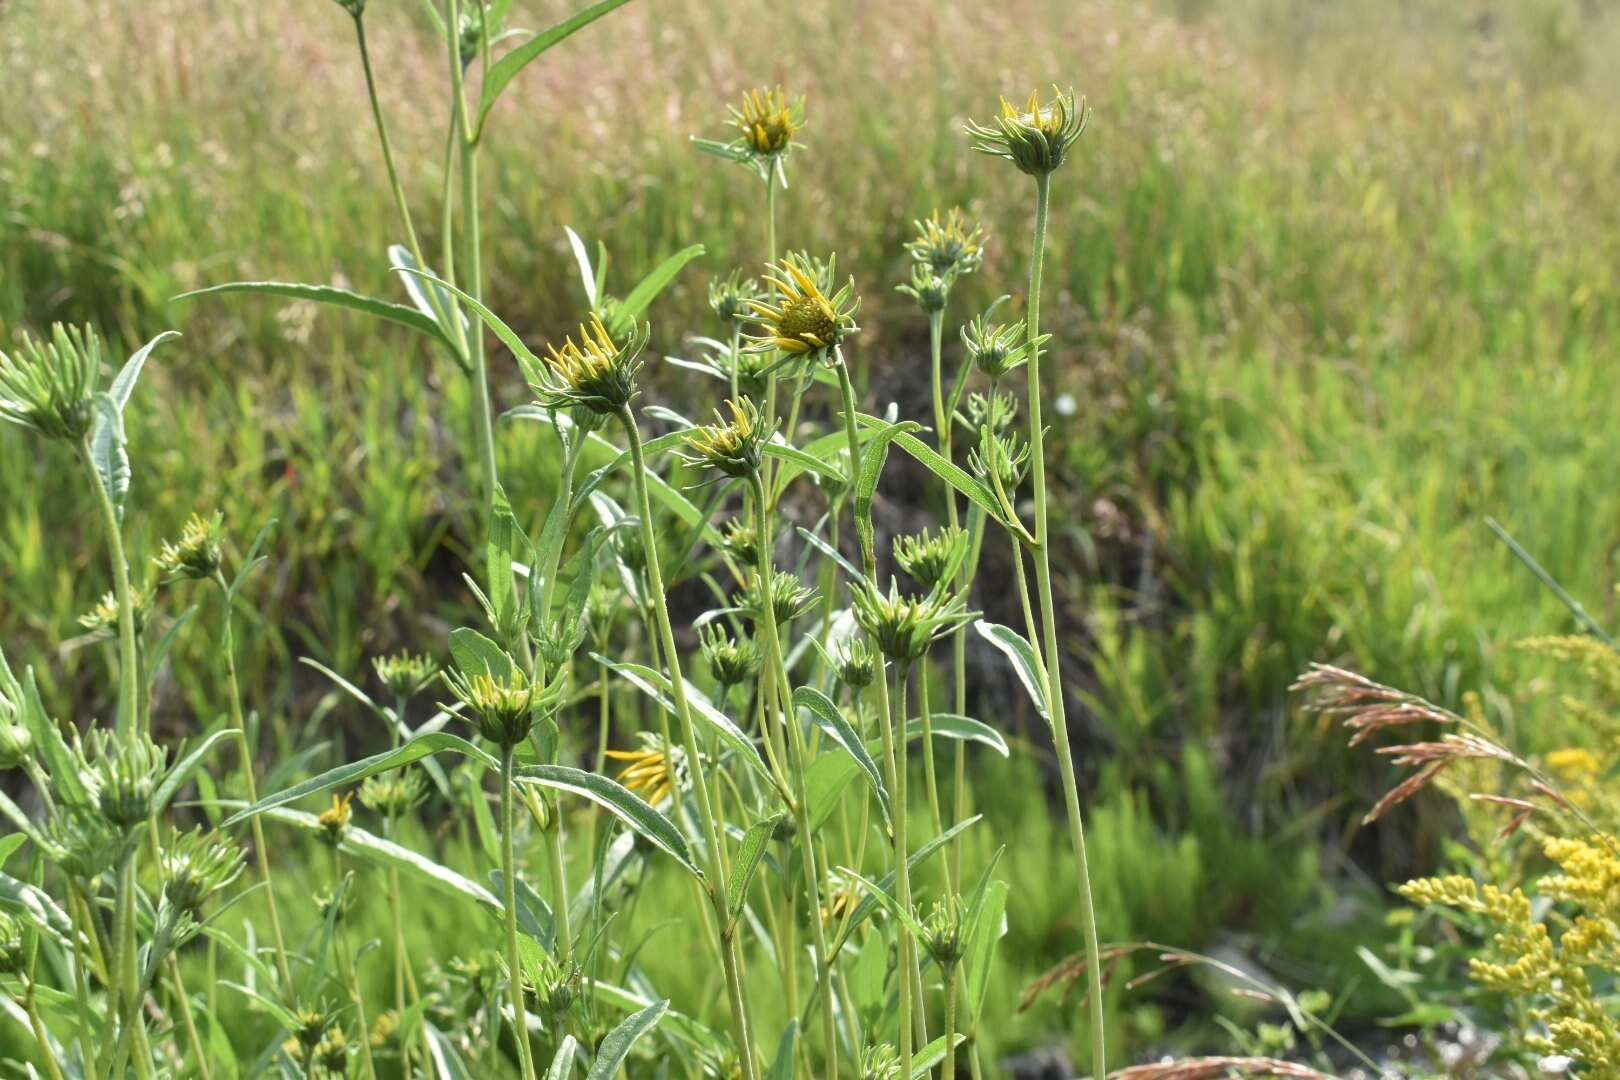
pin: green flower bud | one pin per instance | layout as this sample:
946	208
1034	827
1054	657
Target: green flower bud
1037	138
49	386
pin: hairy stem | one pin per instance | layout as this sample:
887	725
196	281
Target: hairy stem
514	969
128	666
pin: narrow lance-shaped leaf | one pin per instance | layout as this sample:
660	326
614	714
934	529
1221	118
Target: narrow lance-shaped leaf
562	1066
333	297
504	70
833	722
648	288
616	1046
964	728
750	853
356	771
656	685
619	801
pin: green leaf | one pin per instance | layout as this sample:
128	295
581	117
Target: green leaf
729	151
872	461
587	275
677	1024
965	728
824	782
447	1063
953	474
59	761
183	769
932	1054
356	771
616	1046
806	462
334	297
869	903
750	853
989	924
370	848
10	844
36	907
619	801
476	654
828	717
782	1067
562	1066
504	70
1022	655
887	902
108	450
656	685
533	913
656	282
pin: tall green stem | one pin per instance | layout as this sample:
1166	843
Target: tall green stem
801	807
1043	584
719	890
514	969
128	666
261	850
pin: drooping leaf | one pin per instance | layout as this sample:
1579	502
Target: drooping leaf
1022	655
828	717
965	728
356	771
334	297
656	685
619	801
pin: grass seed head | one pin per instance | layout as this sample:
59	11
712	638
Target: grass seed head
49	386
804	315
1036	138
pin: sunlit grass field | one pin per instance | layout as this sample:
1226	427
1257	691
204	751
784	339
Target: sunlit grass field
1333	284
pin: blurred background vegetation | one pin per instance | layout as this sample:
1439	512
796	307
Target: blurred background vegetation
1333	283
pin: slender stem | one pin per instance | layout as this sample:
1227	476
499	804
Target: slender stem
184	1001
396	904
1043	583
924	710
719	890
261	850
483	429
514	970
559	887
801	809
949	1070
128	690
910	1007
81	987
40	1034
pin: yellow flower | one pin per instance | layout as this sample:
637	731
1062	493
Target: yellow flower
734	448
801	318
334	820
1574	763
951	244
651	772
597	373
1036	138
768	121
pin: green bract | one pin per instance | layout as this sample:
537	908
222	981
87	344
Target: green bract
1036	138
48	385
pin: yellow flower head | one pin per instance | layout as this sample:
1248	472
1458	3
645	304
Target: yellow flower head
334	820
801	318
196	555
734	447
768	121
1036	138
597	373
